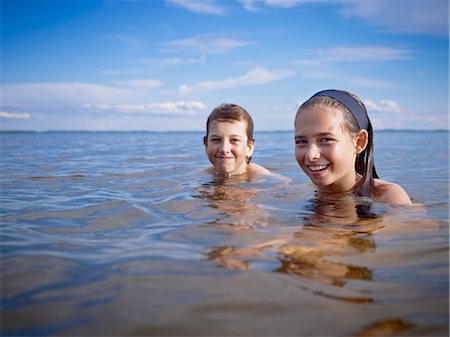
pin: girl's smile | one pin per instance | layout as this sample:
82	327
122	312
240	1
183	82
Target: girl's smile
317	170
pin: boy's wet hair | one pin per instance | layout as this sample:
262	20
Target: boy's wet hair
231	113
364	164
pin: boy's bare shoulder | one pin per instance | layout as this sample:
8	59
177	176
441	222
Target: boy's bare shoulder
392	193
258	169
209	170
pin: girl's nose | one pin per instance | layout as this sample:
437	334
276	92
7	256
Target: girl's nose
313	152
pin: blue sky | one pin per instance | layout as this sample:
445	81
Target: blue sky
164	65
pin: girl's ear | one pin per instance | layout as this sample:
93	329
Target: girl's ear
205	141
362	139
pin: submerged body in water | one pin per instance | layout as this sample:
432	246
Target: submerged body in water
130	241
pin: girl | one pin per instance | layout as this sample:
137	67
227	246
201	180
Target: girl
334	147
229	142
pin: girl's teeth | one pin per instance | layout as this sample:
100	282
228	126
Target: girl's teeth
317	168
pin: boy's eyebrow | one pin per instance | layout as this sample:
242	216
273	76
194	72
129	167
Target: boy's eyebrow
214	135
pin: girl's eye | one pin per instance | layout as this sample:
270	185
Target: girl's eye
326	140
235	140
300	142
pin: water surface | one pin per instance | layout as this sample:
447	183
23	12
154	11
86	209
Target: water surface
123	234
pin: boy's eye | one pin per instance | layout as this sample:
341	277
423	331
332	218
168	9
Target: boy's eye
235	140
300	142
214	140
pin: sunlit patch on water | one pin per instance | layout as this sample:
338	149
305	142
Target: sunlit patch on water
128	236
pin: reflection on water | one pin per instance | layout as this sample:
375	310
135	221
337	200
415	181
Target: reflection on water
337	227
235	203
112	234
332	227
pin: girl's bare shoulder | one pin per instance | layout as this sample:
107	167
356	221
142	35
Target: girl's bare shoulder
391	193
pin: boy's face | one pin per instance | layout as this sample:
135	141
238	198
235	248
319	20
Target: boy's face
228	148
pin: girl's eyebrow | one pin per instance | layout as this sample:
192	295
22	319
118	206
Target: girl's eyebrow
323	134
320	134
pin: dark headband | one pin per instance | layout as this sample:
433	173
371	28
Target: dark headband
352	105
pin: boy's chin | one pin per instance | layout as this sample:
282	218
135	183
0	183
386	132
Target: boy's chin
228	173
222	170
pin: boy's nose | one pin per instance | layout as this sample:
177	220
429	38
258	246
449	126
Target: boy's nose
225	147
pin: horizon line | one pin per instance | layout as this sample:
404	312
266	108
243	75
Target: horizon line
191	131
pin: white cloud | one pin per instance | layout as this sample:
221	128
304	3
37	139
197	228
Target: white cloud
410	121
341	77
356	54
250	5
307	62
206	44
402	16
191	107
199	6
139	84
173	61
383	106
255	76
161	108
364	53
97	107
290	3
394	16
73	92
5	114
184	89
63	92
120	72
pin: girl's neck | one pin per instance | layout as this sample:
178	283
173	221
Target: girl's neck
340	188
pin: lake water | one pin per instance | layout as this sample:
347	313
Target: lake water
123	234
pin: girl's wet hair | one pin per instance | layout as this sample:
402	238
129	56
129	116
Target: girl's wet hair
227	112
356	119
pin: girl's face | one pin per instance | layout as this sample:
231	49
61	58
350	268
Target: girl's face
325	150
228	148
